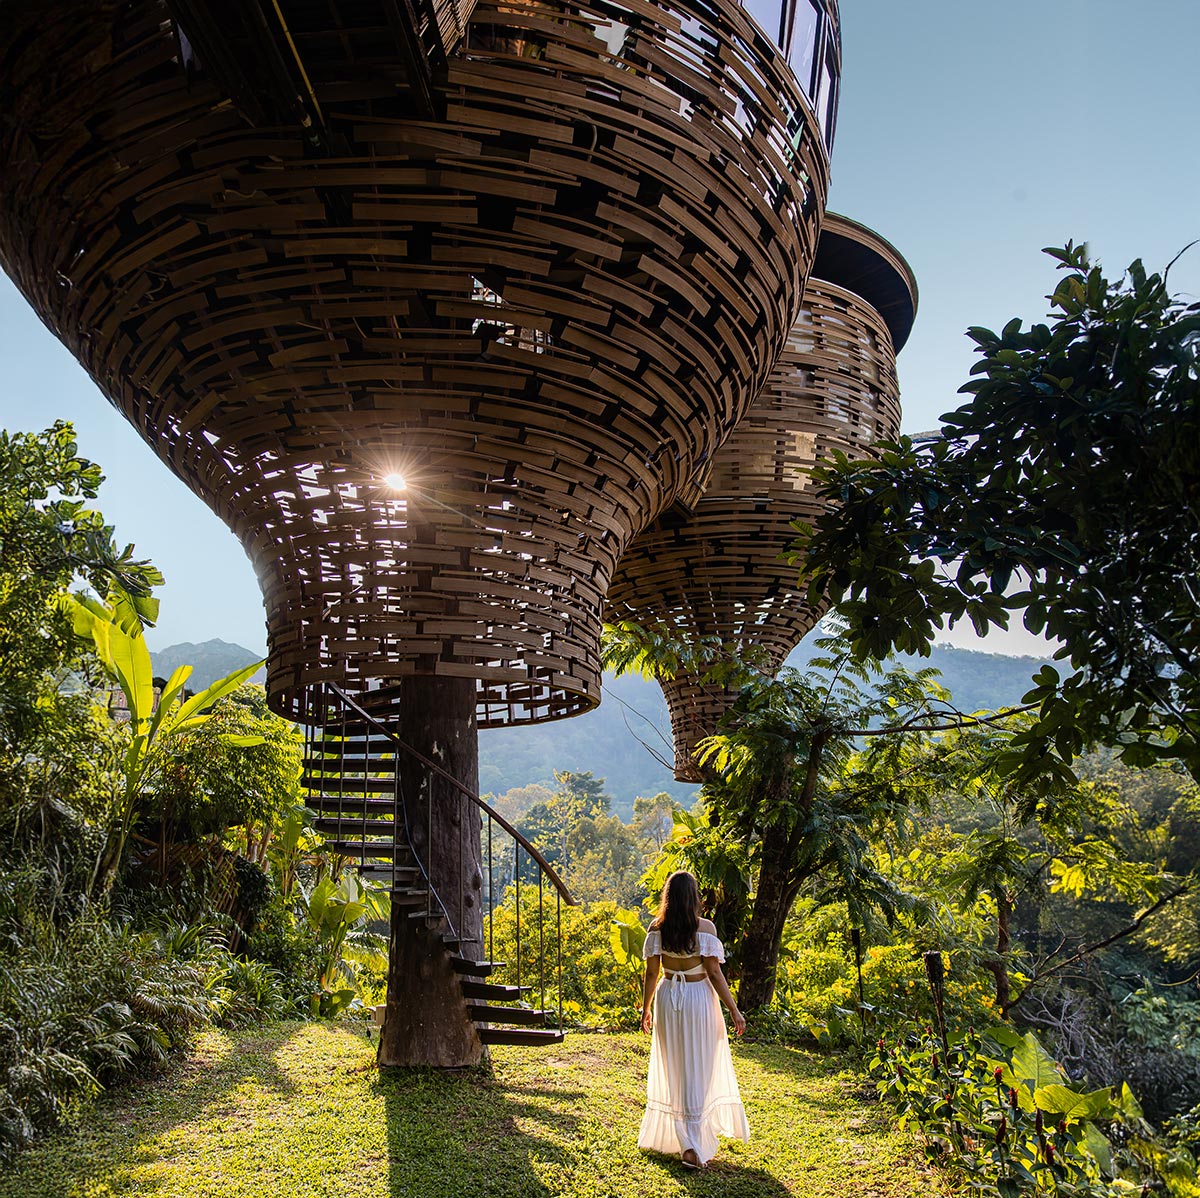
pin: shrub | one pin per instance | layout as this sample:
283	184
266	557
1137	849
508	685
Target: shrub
81	1006
1152	1038
288	946
596	988
86	1001
817	991
999	1111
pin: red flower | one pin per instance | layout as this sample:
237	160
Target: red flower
998	1073
1012	1097
1049	1154
1001	1130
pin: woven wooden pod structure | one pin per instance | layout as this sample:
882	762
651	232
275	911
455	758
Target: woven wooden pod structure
540	277
720	572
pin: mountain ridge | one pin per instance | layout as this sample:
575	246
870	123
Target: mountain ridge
627	740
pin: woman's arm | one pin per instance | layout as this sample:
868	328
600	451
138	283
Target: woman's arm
713	968
648	987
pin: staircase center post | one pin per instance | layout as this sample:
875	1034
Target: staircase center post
427	1021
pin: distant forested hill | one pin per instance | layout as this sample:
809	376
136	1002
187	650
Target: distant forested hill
615	741
209	660
606	741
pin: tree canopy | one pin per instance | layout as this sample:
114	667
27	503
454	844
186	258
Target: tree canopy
1067	489
50	535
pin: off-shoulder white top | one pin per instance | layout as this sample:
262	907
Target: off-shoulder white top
707	945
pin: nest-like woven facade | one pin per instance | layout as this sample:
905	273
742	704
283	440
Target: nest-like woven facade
545	308
722	573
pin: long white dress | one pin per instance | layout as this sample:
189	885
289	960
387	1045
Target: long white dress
691	1091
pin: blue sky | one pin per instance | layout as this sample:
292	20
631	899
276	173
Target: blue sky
970	134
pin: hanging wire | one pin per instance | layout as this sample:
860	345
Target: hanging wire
366	792
341	772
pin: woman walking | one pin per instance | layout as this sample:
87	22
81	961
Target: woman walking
691	1091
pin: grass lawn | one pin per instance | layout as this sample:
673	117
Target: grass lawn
299	1110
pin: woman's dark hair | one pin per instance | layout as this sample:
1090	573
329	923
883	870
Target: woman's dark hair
678	917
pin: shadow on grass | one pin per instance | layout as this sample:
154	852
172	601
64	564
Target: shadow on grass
116	1132
468	1134
807	1064
462	1133
250	1106
723	1177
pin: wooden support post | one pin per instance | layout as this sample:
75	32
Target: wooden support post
426	1021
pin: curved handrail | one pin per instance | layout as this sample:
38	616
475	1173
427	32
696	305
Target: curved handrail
464	790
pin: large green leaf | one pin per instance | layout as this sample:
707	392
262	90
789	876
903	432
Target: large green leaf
1098	1145
1033	1066
1128	1103
1069	1104
216	690
170	693
626	937
124	655
319	900
1026	1065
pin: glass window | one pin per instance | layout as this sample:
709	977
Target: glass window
803	50
824	95
766	13
827	98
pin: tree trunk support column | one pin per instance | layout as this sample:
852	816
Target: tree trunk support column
760	948
426	1021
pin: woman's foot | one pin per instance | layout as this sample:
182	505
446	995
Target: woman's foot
691	1160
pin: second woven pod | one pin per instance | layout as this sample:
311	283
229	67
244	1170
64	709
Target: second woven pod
719	570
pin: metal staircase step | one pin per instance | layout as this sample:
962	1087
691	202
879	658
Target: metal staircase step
481	1013
476	969
383	871
357	824
349	805
368	848
333	783
491	990
434	920
353	746
530	1036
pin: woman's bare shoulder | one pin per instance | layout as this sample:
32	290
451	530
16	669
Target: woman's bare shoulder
707	925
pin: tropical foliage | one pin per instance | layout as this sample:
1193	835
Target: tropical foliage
1065	490
155	720
157	872
1001	1113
